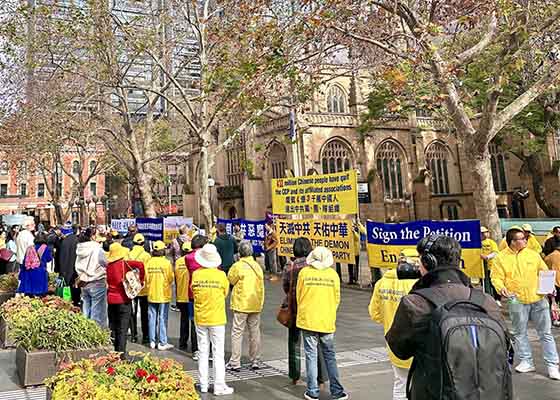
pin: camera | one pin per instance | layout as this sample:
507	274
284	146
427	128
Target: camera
407	269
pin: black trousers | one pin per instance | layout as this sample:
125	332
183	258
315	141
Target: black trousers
139	303
354	271
119	319
185	330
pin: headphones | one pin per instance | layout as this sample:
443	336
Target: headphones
429	260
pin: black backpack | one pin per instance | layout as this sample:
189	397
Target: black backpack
467	354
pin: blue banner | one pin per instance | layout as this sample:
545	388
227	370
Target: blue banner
253	231
151	228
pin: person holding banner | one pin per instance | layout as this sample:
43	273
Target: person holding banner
489	251
270	255
516	277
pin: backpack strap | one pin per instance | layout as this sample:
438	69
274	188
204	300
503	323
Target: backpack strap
432	296
477	297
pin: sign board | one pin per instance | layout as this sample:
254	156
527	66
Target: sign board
151	228
316	194
253	231
385	241
171	227
335	235
121	225
364	196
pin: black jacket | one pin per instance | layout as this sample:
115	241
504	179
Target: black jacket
67	258
411	324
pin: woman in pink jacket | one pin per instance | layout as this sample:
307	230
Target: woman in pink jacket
197	243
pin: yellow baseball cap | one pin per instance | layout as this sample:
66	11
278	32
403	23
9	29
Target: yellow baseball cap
186	246
159	245
483	229
138	238
527	228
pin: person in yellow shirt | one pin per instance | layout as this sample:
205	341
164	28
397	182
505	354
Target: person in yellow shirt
354	269
159	279
489	251
210	288
182	278
386	297
138	253
532	242
247	299
318	297
515	275
553	262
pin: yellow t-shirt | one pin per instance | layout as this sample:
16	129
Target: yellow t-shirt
210	288
159	278
182	280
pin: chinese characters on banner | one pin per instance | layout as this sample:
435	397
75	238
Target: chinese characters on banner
253	231
316	194
335	235
385	241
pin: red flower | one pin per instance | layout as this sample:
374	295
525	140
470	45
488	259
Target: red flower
141	373
110	371
152	378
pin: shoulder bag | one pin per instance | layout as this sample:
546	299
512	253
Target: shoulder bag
131	281
285	315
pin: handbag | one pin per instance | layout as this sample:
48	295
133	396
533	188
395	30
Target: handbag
6	254
285	315
131	282
62	290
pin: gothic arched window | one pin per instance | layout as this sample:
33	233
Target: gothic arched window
336	157
336	100
390	166
498	166
278	161
437	156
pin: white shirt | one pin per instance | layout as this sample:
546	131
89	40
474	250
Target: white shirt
23	241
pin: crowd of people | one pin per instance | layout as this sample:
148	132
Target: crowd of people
197	273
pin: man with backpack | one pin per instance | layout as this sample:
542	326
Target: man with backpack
456	334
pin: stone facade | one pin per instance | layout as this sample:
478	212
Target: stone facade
415	167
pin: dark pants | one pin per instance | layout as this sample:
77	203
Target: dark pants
76	295
338	270
187	328
294	357
488	287
354	271
119	318
375	275
140	302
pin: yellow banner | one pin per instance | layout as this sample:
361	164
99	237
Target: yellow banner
335	235
316	194
385	256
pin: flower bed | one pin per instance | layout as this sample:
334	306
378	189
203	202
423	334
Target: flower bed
47	331
109	377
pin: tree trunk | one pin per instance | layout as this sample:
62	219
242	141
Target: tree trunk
204	190
58	213
535	169
146	196
484	195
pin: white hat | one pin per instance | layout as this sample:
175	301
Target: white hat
320	258
208	256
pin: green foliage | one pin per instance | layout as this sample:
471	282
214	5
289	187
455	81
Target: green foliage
9	283
51	324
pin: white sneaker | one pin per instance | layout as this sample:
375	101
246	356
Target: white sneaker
195	356
525	366
152	345
166	346
203	388
223	391
553	373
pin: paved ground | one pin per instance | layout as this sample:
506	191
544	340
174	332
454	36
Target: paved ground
365	371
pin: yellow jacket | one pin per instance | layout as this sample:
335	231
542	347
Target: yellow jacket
532	243
210	288
384	302
318	297
553	262
518	273
246	276
159	278
182	280
489	246
139	254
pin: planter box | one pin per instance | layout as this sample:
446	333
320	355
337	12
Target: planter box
33	367
5	340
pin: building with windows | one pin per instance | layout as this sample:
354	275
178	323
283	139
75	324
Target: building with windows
414	167
26	188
